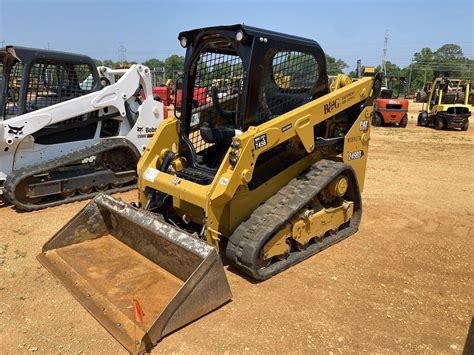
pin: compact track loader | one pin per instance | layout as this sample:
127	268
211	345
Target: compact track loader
267	172
69	130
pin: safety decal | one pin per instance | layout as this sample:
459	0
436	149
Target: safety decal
195	119
260	141
356	155
151	174
286	128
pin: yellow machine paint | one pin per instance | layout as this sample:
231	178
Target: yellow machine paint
226	202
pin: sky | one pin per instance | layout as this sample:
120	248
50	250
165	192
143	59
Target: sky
348	30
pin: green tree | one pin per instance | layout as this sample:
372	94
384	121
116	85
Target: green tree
448	60
422	68
335	66
173	63
449	52
154	63
109	63
397	84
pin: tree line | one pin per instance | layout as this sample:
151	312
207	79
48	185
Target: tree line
170	65
448	60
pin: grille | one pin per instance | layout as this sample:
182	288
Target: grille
221	73
458	110
51	83
289	81
394	106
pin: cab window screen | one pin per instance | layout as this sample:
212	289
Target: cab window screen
13	90
289	81
218	75
54	82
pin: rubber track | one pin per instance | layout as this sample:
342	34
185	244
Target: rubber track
245	244
14	179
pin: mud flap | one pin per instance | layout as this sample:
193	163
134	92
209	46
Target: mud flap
111	253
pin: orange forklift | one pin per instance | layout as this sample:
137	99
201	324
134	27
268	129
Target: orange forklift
389	109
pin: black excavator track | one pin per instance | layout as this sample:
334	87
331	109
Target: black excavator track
126	182
245	244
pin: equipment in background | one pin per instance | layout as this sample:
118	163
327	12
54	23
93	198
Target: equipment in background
267	170
69	130
162	93
368	71
447	105
422	95
389	108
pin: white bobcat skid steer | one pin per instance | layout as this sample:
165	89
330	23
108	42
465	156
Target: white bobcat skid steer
68	129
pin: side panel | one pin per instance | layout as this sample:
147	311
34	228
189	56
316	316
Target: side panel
356	145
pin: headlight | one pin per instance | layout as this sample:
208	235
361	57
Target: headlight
239	36
183	41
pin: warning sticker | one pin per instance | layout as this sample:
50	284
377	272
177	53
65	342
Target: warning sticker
224	181
151	174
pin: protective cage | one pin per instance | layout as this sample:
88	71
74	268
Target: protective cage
13	82
52	82
285	71
289	81
33	79
218	77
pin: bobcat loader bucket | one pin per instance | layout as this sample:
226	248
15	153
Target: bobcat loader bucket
112	253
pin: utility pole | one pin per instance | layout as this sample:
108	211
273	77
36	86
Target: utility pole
359	68
385	49
409	75
122	54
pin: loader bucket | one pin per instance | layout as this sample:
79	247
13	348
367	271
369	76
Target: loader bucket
111	253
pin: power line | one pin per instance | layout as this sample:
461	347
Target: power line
468	67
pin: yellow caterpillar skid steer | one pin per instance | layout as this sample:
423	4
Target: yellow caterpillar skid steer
264	166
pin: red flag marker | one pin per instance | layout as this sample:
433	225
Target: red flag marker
137	309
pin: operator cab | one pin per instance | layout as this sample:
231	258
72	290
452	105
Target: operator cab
396	87
453	91
31	79
240	76
386	93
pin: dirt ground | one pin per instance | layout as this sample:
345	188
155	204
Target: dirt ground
403	283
